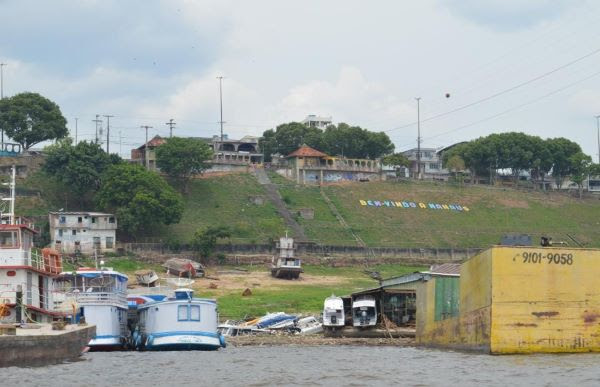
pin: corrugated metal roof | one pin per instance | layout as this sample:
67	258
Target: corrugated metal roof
445	268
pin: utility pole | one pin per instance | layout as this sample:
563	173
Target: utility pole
2	96
120	143
76	119
171	124
221	105
2	80
108	133
146	146
598	128
97	120
418	137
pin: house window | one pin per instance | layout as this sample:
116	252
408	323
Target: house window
434	166
79	219
93	220
74	232
62	219
77	246
111	219
97	242
109	242
60	232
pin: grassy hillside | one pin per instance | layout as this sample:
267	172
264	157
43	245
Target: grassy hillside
225	200
493	213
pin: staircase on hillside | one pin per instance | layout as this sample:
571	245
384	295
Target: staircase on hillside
275	198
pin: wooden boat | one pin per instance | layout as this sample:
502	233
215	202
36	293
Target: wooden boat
183	267
146	277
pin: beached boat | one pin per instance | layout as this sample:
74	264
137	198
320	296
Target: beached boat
309	325
271	319
364	311
333	312
231	329
183	267
100	295
178	323
146	277
286	265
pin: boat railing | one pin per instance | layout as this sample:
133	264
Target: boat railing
32	258
102	298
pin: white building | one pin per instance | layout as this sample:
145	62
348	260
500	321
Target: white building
83	232
431	163
313	121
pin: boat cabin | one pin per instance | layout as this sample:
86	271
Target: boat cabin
364	311
27	277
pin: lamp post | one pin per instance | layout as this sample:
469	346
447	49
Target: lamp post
418	137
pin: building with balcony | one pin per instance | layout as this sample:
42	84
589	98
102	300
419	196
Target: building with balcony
313	121
230	154
82	232
431	164
310	166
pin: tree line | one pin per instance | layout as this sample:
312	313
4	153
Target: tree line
336	140
556	158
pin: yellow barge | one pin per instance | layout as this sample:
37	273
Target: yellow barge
513	300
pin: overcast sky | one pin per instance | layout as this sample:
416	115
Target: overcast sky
508	65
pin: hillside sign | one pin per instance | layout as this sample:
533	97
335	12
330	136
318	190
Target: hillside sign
404	204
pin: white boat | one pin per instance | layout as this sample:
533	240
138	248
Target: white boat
178	323
286	265
146	277
101	298
230	329
309	325
28	287
333	312
364	311
180	282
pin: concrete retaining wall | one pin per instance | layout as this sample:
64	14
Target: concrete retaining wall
315	253
43	349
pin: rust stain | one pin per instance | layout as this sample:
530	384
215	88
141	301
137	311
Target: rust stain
545	314
590	317
520	324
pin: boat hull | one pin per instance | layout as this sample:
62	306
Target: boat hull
184	341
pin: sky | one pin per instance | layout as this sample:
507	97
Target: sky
507	65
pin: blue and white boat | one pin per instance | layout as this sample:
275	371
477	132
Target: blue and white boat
100	296
178	323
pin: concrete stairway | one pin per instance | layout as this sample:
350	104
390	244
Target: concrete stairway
275	198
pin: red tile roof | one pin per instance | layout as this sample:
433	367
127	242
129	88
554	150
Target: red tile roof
154	142
306	151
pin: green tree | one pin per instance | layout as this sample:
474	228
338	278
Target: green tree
455	164
78	168
205	241
182	158
396	160
562	150
581	166
140	198
355	142
286	138
29	118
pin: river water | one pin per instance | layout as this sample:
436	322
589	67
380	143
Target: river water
295	365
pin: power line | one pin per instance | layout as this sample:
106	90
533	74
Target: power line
530	102
512	88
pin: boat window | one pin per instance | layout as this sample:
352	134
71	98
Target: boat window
195	312
182	313
8	239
